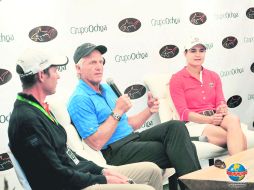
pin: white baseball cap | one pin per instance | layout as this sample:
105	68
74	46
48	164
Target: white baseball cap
193	41
33	61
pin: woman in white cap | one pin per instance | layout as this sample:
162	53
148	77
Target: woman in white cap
198	98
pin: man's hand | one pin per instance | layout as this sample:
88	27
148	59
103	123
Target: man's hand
114	177
123	104
152	103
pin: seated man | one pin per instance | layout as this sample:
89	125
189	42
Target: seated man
198	97
101	120
38	141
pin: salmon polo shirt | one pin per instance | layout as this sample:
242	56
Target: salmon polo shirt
192	95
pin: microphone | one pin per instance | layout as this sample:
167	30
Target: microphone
112	84
200	138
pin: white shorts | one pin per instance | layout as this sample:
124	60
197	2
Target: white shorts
195	129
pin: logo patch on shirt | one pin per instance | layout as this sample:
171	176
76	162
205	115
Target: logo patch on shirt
33	140
211	84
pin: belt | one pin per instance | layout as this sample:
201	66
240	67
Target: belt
208	112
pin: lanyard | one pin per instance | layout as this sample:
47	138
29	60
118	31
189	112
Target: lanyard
39	107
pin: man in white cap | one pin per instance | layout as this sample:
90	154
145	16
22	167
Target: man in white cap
198	97
38	141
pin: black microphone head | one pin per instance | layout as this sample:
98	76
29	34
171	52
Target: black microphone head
113	86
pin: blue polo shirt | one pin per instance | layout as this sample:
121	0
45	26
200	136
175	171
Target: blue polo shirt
89	109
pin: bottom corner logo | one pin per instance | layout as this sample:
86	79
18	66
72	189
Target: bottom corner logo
236	172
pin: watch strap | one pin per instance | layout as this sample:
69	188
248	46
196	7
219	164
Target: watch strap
116	116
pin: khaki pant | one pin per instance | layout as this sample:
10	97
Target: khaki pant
146	175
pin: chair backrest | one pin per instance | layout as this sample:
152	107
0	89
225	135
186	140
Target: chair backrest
158	84
59	109
20	173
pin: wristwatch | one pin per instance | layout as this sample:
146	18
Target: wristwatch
116	116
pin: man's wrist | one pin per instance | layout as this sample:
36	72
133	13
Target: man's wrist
150	110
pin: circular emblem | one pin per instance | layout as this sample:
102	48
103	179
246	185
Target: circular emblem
135	91
129	25
5	162
43	34
5	76
229	42
234	101
236	172
250	13
169	51
198	18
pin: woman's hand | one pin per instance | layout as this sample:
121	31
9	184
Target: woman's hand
222	109
217	118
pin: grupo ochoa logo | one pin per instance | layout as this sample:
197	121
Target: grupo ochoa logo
43	34
5	76
147	124
131	57
234	101
236	172
169	51
4	118
252	67
6	37
129	25
135	91
250	96
198	18
165	21
234	71
88	29
229	42
248	39
227	15
5	162
250	13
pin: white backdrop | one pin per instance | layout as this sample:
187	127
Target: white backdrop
136	34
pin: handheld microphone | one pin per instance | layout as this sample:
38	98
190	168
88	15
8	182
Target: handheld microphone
111	83
200	138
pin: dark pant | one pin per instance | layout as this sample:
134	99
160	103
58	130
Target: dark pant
167	145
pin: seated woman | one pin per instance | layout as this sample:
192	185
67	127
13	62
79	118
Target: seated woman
198	97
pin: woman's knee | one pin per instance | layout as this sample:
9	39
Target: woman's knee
215	134
230	119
